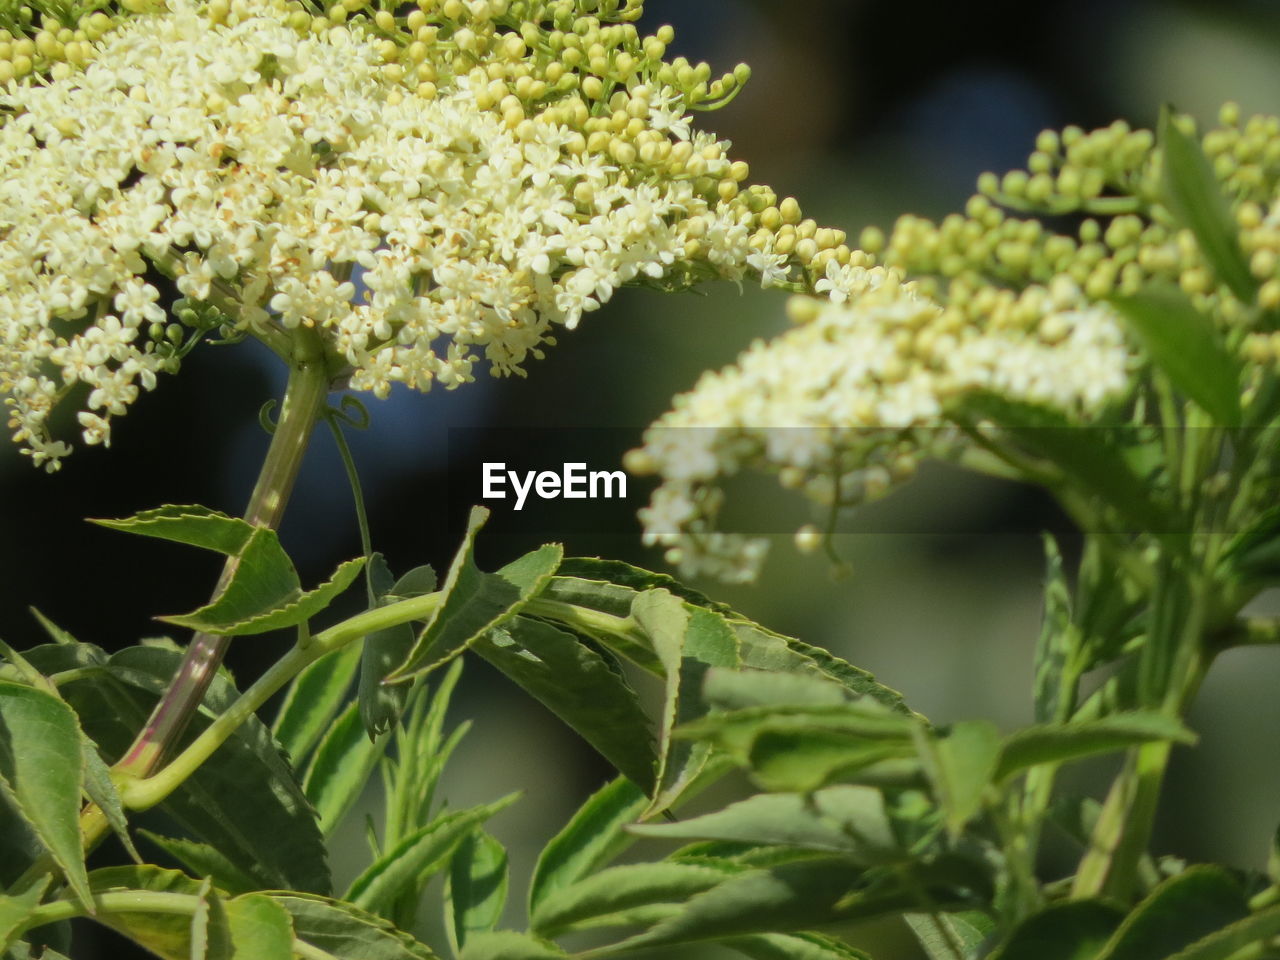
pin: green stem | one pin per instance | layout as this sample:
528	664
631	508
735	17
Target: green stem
138	901
138	793
304	399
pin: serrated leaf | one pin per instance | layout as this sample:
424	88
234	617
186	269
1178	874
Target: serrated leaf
476	888
846	819
475	602
260	928
170	935
406	865
636	579
857	727
346	932
244	801
509	945
576	684
16	908
416	583
41	767
793	896
795	946
808	758
1233	938
761	648
951	936
688	641
961	765
101	789
1075	930
741	689
1185	345
381	704
340	768
248	606
1093	458
190	524
1193	194
1060	743
594	900
592	837
312	701
202	860
1182	910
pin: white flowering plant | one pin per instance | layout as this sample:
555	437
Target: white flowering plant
387	194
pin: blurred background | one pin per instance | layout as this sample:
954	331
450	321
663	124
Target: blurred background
863	111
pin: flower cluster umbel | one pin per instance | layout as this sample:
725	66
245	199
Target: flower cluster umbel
867	385
427	191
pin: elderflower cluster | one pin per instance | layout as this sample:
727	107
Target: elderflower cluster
429	191
992	301
850	400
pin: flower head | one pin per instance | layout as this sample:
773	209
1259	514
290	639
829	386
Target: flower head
428	191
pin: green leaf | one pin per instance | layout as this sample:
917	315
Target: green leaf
380	703
1058	638
41	766
191	524
1185	345
796	946
509	945
16	908
55	632
203	860
1092	458
1184	909
808	758
475	602
845	819
407	864
961	766
263	593
19	845
1059	743
761	647
740	689
250	605
340	768
595	900
476	888
576	684
592	837
1226	942
101	789
244	801
794	896
1075	930
1194	195
688	641
951	936
312	701
172	936
346	932
1254	553
635	579
260	928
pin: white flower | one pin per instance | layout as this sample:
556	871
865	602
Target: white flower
843	405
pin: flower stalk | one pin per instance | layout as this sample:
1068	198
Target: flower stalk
304	399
